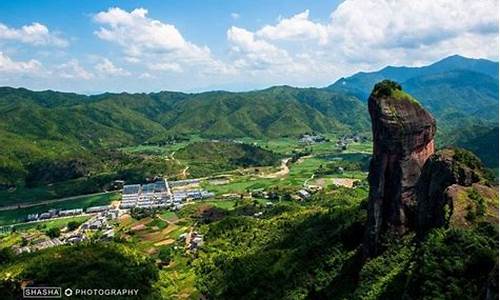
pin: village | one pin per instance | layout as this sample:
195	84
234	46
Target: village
159	195
156	195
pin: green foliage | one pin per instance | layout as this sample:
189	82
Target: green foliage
100	265
206	158
165	254
478	210
72	225
480	142
53	232
291	253
383	277
6	254
335	167
455	264
467	158
473	162
385	88
68	127
461	93
139	213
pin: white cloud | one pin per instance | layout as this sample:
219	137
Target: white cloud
359	35
35	34
253	52
364	35
73	70
144	39
296	28
146	75
7	65
106	67
165	67
385	31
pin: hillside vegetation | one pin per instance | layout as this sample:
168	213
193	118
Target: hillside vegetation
39	128
66	136
205	158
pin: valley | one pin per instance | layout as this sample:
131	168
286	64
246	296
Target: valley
264	194
259	192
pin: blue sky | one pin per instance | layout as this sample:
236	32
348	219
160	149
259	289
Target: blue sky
143	46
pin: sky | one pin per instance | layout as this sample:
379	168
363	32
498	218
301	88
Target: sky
147	46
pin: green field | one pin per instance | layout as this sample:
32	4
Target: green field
18	215
300	171
287	145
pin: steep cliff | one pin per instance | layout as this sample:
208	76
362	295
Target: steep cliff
453	190
403	140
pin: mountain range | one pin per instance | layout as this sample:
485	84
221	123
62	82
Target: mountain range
462	94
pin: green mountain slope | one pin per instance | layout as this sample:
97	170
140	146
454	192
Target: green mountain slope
36	126
462	94
360	84
47	126
278	111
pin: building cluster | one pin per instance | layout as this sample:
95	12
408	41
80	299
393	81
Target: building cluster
99	222
184	182
59	213
193	240
309	139
181	196
160	195
150	195
347	139
38	245
306	192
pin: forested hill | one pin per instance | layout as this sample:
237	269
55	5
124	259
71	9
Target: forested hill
122	118
52	126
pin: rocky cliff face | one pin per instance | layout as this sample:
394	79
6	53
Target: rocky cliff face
403	140
452	191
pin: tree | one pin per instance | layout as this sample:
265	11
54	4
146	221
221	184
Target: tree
165	254
72	225
6	254
53	232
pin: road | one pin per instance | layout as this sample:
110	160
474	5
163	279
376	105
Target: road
25	205
51	219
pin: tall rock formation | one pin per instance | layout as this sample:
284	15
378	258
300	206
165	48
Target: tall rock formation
403	139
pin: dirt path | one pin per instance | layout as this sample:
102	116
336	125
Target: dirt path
188	237
25	205
306	182
284	170
184	172
301	159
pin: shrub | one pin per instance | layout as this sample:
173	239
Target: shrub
53	232
72	225
385	88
